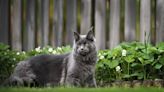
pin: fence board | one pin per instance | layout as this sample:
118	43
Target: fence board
45	21
85	16
16	25
160	21
38	24
130	20
4	21
114	23
145	19
58	21
30	24
93	12
71	24
100	17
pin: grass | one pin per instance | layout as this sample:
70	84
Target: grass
81	89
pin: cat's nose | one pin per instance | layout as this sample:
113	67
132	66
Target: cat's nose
82	49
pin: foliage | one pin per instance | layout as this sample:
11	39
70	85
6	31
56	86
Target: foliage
131	61
127	61
8	60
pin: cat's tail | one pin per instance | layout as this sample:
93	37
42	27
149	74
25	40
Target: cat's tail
12	81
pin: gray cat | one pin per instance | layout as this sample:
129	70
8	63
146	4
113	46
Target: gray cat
72	69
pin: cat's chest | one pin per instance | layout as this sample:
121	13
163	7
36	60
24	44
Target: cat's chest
80	69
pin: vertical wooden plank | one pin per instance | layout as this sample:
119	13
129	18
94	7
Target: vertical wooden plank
145	19
153	22
159	21
38	24
58	21
16	25
30	24
130	20
4	21
71	24
86	16
100	18
114	23
44	21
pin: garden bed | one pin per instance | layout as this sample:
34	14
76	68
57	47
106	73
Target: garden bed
159	83
127	65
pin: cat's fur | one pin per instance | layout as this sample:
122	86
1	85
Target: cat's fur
72	69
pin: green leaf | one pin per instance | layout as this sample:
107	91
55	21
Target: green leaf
129	58
135	64
112	63
126	76
158	66
160	45
161	60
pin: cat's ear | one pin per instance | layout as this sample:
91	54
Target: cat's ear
76	36
90	34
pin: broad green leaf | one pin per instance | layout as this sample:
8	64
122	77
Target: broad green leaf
126	76
112	63
161	60
158	66
129	58
135	64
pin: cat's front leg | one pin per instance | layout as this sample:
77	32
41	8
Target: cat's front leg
72	82
91	81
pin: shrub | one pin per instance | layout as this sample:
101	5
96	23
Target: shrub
131	61
8	60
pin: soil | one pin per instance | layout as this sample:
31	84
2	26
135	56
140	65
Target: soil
117	83
158	83
136	83
147	83
127	84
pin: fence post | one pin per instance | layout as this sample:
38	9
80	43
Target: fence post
114	23
130	20
58	22
145	19
71	24
38	23
4	21
86	16
16	25
30	24
45	21
159	21
100	24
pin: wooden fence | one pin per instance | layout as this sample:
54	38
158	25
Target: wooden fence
26	24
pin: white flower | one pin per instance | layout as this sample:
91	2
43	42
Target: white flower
59	48
37	49
54	52
23	52
18	53
50	49
101	57
118	68
123	52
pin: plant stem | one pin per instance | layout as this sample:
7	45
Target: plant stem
144	72
128	68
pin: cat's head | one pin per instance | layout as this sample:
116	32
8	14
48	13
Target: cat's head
84	44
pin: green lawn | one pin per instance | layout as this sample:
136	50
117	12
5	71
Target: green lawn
81	89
